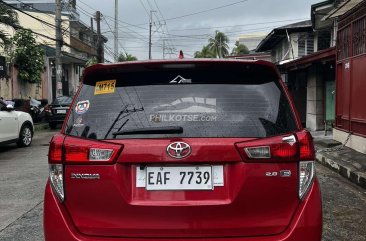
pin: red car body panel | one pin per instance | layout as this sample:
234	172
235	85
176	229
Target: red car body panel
305	224
251	205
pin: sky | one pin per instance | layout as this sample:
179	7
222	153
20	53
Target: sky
188	24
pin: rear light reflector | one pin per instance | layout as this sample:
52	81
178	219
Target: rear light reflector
258	152
306	176
56	180
272	149
82	151
96	154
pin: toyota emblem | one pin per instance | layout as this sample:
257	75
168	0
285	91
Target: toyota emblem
178	150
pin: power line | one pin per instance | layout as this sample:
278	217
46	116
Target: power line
204	11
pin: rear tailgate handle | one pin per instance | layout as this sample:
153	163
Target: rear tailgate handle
289	139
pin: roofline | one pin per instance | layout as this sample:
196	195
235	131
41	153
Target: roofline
322	55
147	63
277	31
312	8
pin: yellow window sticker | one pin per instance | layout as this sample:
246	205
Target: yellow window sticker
105	87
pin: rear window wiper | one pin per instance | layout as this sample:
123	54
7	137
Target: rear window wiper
151	130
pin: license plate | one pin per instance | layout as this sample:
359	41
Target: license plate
61	111
179	178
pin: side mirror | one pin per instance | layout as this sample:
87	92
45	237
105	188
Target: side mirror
9	107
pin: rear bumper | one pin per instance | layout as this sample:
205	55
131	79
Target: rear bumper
305	225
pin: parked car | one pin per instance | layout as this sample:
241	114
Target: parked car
36	110
56	111
15	126
182	150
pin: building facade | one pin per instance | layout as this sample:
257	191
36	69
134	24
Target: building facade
79	45
351	84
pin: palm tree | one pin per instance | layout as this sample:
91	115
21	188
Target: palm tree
219	44
126	57
239	49
8	17
205	53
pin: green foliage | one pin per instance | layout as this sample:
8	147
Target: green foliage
29	56
123	57
8	17
91	61
219	44
239	49
204	53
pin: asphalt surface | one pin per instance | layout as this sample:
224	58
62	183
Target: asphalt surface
24	171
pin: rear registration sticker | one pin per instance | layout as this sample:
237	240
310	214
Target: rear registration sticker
105	87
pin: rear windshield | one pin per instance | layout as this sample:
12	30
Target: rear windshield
209	102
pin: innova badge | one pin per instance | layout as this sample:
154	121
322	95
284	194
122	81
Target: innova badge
178	150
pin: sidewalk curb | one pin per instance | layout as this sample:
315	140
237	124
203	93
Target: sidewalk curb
347	171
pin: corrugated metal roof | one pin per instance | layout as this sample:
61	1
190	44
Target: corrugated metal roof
342	9
277	34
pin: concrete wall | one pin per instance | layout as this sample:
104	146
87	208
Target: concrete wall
5	88
12	88
314	105
357	143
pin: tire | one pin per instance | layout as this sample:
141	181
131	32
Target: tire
25	136
52	125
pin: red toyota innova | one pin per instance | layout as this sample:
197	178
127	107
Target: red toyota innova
182	150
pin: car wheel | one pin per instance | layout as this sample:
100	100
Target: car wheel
52	125
25	136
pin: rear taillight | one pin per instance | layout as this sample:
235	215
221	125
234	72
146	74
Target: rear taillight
306	146
82	151
55	156
306	164
57	180
273	149
288	148
306	176
55	151
70	150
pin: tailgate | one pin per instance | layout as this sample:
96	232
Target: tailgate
246	203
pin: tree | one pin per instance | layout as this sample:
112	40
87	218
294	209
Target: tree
205	53
8	17
123	57
93	60
239	49
29	56
219	44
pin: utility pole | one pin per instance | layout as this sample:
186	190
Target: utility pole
150	27
59	42
163	48
115	30
91	25
99	39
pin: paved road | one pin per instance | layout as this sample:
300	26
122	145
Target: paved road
23	173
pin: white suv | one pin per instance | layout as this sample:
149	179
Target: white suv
15	126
